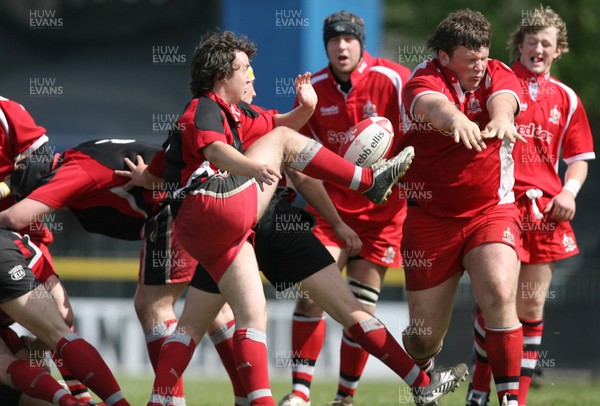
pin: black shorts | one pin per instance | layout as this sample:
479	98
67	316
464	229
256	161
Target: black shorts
286	249
163	261
16	279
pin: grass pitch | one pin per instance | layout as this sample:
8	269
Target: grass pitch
370	393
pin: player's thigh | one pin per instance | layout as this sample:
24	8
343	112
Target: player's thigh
493	269
366	272
430	310
242	288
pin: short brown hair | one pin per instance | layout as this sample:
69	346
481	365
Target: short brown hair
213	59
464	27
541	18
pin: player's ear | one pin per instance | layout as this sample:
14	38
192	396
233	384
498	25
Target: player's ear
444	58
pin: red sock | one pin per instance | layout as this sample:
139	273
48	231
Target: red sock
376	339
352	364
174	358
88	366
532	339
154	341
308	336
250	354
482	373
79	390
38	383
318	162
223	342
504	351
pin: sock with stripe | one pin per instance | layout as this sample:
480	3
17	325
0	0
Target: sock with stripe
505	350
532	339
352	364
308	336
250	355
76	388
372	335
89	368
222	339
321	163
353	358
38	383
154	342
482	373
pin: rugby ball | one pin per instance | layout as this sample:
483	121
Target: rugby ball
368	141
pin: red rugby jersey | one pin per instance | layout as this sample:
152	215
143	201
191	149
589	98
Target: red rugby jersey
554	123
446	179
376	91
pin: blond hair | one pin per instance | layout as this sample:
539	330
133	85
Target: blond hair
540	19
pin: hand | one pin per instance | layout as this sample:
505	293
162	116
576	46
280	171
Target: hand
138	175
465	130
349	238
305	92
264	174
502	129
562	206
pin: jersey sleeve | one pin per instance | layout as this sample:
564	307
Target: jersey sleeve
19	127
208	126
578	142
424	81
256	122
503	80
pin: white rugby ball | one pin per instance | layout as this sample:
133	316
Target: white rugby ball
368	141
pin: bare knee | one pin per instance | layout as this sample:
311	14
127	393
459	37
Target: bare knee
222	320
307	307
420	345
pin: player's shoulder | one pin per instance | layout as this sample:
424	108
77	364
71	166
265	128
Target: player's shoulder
8	238
563	88
387	63
319	78
208	115
498	67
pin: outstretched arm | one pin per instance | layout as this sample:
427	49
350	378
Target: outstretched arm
444	116
502	108
23	213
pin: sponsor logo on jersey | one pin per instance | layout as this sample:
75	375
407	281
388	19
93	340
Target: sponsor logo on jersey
330	111
508	236
369	109
389	255
17	273
554	115
524	107
569	243
532	131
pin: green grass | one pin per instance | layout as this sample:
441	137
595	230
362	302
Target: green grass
370	393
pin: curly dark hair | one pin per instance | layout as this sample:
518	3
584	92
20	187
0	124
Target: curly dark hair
213	59
464	27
